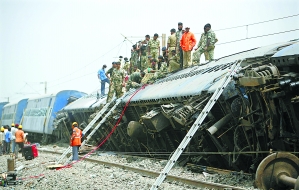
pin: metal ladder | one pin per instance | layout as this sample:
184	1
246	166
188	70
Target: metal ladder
195	126
86	129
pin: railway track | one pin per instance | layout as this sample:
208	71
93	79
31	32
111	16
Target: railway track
195	183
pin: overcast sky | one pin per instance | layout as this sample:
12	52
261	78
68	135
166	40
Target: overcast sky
66	42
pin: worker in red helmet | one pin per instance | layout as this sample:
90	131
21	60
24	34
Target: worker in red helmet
75	141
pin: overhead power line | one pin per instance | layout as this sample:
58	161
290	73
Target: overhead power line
257	22
258	36
88	63
72	79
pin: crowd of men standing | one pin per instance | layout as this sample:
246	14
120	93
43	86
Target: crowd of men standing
147	59
12	139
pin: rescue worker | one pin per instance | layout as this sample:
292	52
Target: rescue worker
206	45
127	67
173	62
121	61
171	42
179	51
20	139
75	141
103	78
135	80
136	69
154	47
109	72
117	82
143	56
13	136
165	55
7	140
187	43
134	55
161	68
4	142
1	140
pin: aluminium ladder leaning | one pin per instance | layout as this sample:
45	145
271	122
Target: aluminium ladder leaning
195	126
86	129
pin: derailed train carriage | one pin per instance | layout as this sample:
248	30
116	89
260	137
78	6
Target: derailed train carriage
257	111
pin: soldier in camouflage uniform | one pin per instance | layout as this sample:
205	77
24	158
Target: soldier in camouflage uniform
110	71
165	55
143	53
206	45
127	67
173	62
135	80
179	51
154	47
161	68
171	42
117	82
134	56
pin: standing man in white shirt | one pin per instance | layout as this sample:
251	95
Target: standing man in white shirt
13	136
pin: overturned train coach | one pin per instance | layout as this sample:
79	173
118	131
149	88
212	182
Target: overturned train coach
257	111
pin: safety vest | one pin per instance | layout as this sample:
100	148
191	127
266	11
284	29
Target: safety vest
76	137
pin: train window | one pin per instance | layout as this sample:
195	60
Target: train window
7	116
37	112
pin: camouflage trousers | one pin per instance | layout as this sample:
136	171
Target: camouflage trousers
144	63
209	54
155	54
186	58
173	66
117	89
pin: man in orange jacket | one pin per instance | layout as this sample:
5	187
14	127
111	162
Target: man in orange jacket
187	43
75	141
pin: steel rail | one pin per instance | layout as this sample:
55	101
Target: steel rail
149	173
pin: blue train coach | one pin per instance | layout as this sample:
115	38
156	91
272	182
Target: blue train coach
41	111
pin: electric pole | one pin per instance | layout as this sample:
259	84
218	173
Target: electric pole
45	86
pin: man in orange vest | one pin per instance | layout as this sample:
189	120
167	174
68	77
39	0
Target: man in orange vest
187	43
20	139
75	141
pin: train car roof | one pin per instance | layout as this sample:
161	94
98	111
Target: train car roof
14	103
87	103
290	50
53	94
204	78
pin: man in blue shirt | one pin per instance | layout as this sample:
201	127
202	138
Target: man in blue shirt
7	141
102	76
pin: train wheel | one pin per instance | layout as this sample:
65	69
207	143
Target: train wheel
278	171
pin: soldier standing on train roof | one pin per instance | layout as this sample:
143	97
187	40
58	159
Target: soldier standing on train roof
205	45
117	82
154	47
179	51
171	42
